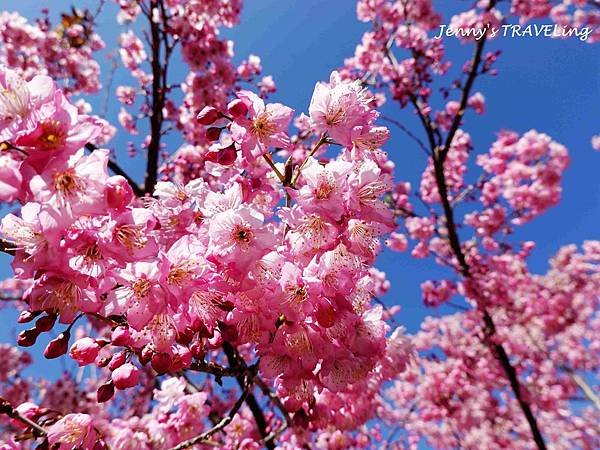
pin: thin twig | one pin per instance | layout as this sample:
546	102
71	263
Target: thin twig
275	399
204	437
407	132
216	369
322	140
271	164
586	388
10	411
235	360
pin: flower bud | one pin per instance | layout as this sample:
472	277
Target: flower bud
146	355
237	108
213	133
208	115
121	336
103	362
45	323
182	358
84	351
58	347
117	360
225	156
28	337
126	376
118	193
105	392
185	337
326	315
161	362
27	316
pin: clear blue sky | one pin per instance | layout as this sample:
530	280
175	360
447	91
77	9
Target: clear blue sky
546	84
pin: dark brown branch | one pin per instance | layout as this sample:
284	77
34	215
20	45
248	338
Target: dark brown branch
275	399
203	438
216	369
158	101
439	154
235	360
426	121
117	170
513	378
466	92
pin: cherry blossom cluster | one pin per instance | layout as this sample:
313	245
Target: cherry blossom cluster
170	279
65	52
548	323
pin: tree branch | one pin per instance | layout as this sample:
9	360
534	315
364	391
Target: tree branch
10	411
275	399
586	388
158	101
322	140
204	437
216	369
409	133
235	360
439	154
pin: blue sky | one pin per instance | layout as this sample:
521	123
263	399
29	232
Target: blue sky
546	84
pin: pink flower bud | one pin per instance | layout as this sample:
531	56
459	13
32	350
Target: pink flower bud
84	351
237	108
58	347
105	392
198	350
208	115
27	316
117	360
118	193
213	133
126	376
225	156
146	355
326	315
185	337
477	102
45	323
182	358
121	336
28	337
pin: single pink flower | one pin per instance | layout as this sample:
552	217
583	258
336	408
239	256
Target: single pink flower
72	431
265	126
